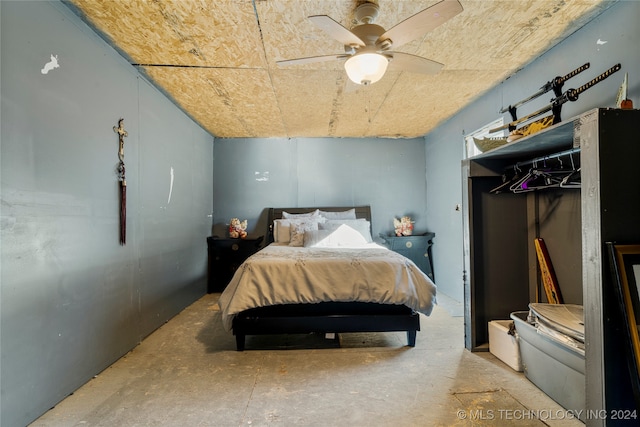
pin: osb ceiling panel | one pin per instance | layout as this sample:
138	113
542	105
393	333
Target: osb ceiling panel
217	60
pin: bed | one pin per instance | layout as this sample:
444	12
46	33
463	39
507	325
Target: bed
329	279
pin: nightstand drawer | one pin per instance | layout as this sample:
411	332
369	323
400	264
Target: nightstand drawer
225	256
409	243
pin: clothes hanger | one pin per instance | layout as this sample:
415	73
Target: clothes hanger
506	181
538	179
562	177
572	180
541	177
520	186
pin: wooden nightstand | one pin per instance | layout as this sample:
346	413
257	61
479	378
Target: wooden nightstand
225	256
416	247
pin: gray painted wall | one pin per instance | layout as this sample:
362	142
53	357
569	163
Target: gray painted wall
72	299
611	38
251	175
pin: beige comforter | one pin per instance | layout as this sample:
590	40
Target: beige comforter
280	274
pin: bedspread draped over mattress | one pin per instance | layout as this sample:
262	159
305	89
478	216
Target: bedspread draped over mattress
281	274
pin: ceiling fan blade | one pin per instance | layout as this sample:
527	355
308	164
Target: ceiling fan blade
401	61
311	59
336	30
422	22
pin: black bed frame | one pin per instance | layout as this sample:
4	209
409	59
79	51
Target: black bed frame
326	317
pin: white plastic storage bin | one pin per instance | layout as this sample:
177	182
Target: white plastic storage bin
504	346
556	368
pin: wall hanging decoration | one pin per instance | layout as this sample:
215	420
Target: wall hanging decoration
555	85
556	103
122	181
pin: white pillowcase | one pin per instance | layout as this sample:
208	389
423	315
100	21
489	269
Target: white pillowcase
287	215
348	214
362	226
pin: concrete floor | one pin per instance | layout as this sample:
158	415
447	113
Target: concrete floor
188	373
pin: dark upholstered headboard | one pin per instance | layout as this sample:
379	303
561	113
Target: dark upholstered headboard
276	213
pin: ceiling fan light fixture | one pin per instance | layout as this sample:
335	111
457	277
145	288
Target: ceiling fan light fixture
366	68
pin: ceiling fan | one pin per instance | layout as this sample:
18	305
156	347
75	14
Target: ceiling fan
368	46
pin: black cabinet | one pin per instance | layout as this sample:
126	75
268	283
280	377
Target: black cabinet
225	256
416	247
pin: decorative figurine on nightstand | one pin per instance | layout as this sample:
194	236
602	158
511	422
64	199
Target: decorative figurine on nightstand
403	226
237	228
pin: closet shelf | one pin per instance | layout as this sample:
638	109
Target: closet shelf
554	138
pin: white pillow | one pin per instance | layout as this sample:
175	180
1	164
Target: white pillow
299	227
287	215
348	214
343	236
362	226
